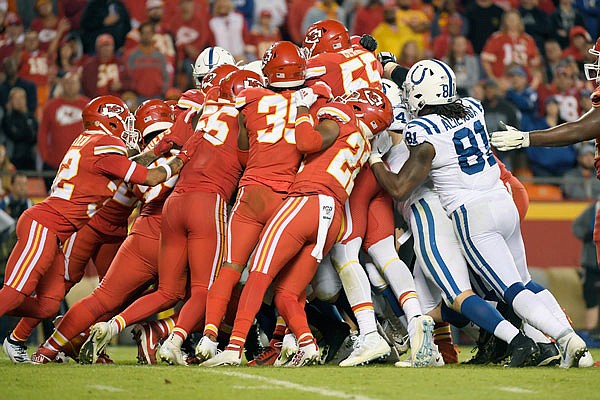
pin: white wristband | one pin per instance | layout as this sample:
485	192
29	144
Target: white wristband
375	159
168	170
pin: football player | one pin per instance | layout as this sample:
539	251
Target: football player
448	142
306	225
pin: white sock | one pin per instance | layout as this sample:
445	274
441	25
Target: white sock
550	302
535	334
411	308
114	327
366	321
506	331
529	307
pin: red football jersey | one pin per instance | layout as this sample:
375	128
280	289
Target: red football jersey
113	218
88	177
34	67
333	170
502	51
214	167
46	34
273	159
346	71
98	79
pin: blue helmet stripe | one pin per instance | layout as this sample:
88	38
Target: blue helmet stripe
210	57
441	64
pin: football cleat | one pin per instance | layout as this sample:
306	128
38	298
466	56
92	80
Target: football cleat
267	356
147	335
369	347
43	356
573	348
16	350
549	355
206	349
421	340
289	348
346	349
436	360
226	357
524	352
306	355
171	353
397	334
94	346
103	358
586	360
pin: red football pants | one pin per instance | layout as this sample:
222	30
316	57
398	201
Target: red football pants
35	264
192	231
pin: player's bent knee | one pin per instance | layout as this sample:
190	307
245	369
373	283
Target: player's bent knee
235	267
512	292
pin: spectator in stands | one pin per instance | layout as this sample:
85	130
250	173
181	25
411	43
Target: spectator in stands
7	169
583	229
564	18
579	40
536	21
295	18
410	54
444	11
565	90
246	8
20	129
51	29
442	42
12	38
387	34
61	122
15	203
147	67
590	11
413	25
262	36
227	29
11	66
190	30
367	17
464	65
550	161
322	9
553	54
68	56
73	11
104	73
580	182
34	67
162	39
511	46
522	96
484	19
104	16
585	101
278	9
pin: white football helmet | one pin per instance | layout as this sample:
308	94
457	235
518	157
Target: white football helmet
429	82
592	71
401	116
209	58
255	66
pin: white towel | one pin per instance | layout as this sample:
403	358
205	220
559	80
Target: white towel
326	212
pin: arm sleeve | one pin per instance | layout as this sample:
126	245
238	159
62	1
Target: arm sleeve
119	166
308	140
399	75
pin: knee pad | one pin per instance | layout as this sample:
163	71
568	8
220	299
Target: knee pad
534	287
342	254
512	292
326	284
383	251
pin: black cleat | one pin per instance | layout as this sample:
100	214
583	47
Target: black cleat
549	355
523	352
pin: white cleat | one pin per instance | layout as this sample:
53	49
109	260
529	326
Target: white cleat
421	340
586	360
171	353
289	348
573	348
436	360
99	338
306	355
206	349
369	347
16	351
226	357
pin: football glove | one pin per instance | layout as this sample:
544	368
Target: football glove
368	42
385	57
380	145
510	138
305	97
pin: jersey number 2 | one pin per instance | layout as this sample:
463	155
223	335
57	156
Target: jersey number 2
470	158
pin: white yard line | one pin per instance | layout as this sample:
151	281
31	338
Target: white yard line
515	389
291	385
106	388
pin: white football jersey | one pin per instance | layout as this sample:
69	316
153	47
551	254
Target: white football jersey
464	166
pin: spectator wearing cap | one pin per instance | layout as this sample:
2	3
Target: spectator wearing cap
262	35
484	19
522	96
464	64
104	16
278	9
510	46
104	73
162	39
580	182
50	28
147	67
536	22
444	10
562	20
12	38
11	68
227	29
367	17
565	89
20	130
33	66
441	43
322	9
190	30
550	161
61	121
579	43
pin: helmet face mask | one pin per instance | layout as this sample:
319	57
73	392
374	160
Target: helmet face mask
592	71
110	115
131	136
429	82
207	60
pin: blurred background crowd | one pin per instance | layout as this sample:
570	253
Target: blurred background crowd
523	58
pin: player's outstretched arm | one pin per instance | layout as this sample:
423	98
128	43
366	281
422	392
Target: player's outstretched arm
163	173
413	173
145	158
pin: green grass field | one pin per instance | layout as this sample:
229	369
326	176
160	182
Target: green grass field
129	381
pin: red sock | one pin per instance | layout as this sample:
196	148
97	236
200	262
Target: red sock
291	309
279	331
24	328
218	298
442	337
252	297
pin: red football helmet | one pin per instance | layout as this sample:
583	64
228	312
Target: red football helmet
111	115
371	107
216	75
592	71
239	80
284	65
327	36
153	115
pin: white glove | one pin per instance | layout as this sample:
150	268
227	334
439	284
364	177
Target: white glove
380	145
305	97
509	139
